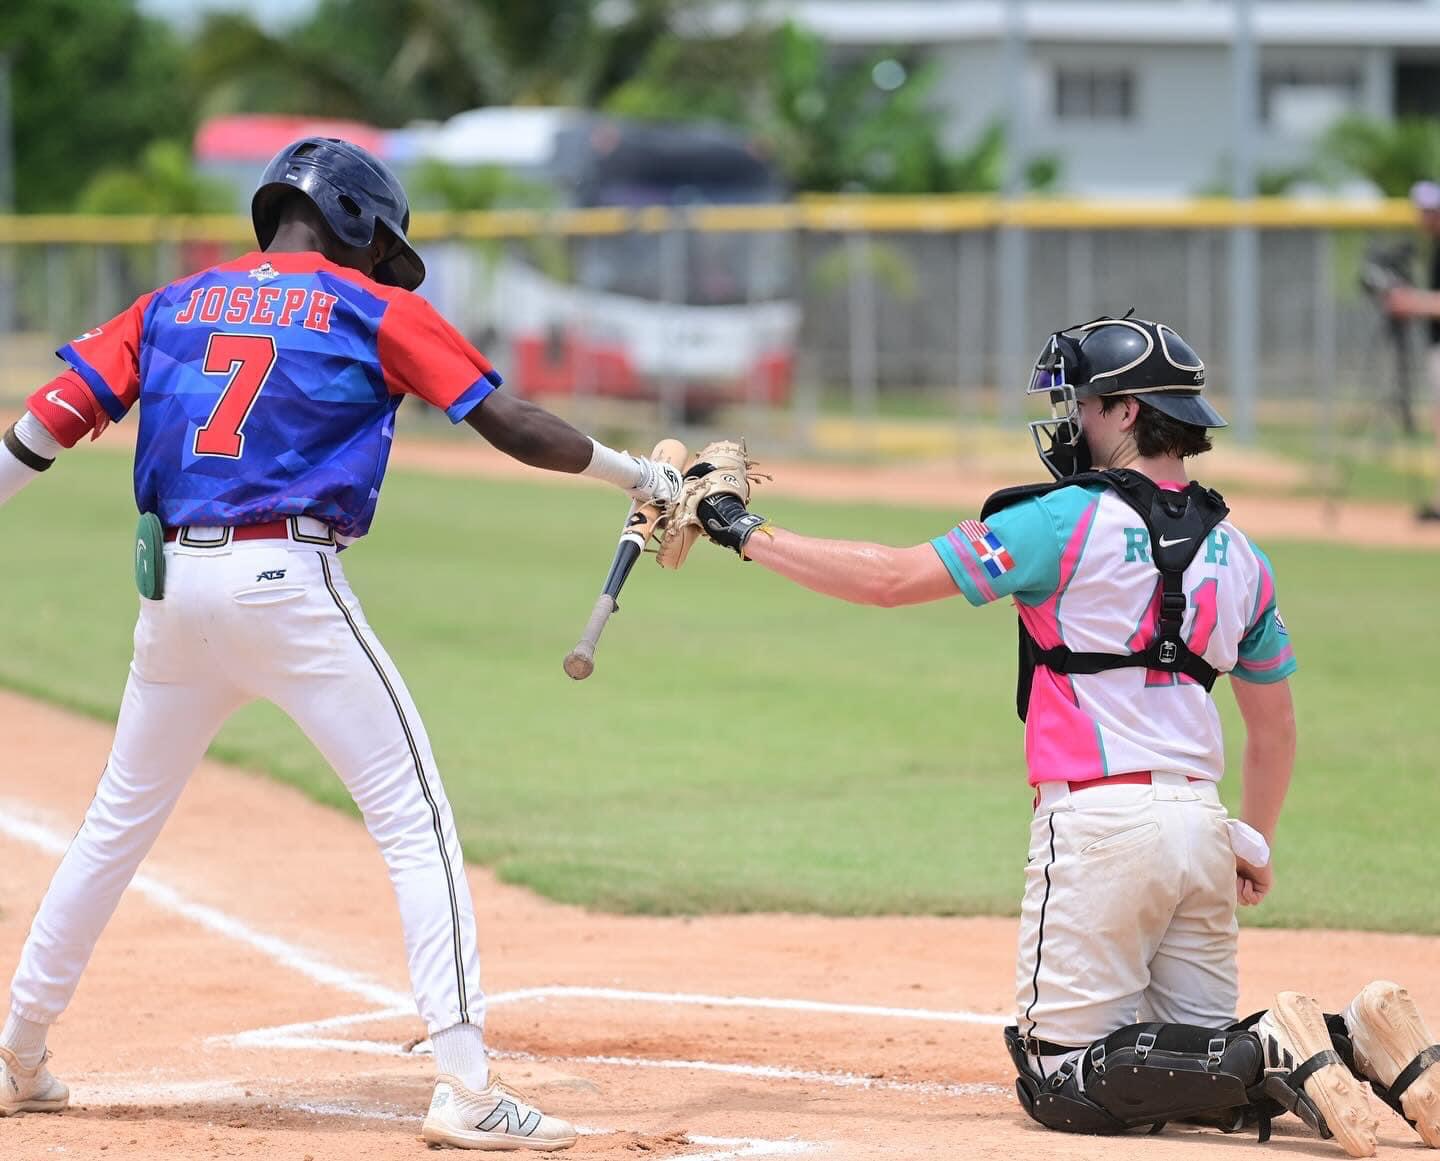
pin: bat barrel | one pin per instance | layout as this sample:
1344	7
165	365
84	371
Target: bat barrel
580	661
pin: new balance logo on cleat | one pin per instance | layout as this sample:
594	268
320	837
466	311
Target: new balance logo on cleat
507	1118
491	1118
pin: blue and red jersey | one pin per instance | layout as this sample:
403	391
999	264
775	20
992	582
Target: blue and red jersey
268	387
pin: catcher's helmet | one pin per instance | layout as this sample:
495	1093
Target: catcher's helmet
1114	356
353	189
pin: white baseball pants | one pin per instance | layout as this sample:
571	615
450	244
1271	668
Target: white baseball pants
1129	911
270	619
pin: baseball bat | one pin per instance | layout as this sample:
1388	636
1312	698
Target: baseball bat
639	524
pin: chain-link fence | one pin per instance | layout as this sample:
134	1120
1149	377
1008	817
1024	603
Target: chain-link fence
827	308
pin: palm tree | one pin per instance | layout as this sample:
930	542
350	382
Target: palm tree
1394	155
392	61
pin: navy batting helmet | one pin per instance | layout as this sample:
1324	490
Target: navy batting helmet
353	190
1114	356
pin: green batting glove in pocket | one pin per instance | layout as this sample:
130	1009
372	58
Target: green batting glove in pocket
150	557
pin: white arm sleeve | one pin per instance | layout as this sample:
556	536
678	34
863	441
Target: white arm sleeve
26	450
619	468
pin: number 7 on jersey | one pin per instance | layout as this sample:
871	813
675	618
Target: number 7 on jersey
247	359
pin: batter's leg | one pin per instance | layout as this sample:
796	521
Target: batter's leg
163	731
352	703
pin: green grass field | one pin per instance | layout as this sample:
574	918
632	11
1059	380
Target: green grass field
743	744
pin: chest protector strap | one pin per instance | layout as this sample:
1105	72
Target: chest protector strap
1178	524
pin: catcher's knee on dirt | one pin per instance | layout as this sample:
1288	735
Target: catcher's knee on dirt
1141	1077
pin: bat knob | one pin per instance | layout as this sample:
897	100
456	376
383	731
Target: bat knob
579	665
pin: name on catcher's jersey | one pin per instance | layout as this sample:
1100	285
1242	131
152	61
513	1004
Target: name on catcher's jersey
1077	563
268	387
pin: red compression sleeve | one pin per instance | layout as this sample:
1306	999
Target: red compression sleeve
67	409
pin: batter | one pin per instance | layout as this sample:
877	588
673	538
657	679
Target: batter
267	390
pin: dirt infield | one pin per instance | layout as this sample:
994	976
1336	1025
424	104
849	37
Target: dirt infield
249	1000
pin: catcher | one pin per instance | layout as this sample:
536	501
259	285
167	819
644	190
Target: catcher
1134	593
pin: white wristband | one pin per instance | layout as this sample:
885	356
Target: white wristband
618	468
33	434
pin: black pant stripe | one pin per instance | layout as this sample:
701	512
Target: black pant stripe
1040	934
424	787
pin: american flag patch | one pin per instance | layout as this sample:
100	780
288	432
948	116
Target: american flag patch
993	555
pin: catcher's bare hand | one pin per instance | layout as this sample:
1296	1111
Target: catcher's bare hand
1252	883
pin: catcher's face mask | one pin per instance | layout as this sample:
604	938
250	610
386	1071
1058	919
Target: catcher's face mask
1059	440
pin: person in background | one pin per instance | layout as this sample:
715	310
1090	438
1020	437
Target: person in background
1415	302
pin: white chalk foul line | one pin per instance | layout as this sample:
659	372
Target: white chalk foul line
730	1147
622	995
270	1038
17	822
769	1072
151	1094
298	1035
748	1147
301	1036
14	824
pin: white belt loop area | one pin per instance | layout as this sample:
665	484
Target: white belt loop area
297	529
1164	785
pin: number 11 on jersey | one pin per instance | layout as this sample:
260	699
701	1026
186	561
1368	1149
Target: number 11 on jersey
247	359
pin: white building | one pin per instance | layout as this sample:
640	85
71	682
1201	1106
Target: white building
1134	96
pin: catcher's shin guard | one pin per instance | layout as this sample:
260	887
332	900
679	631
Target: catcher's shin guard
1306	1074
1141	1077
1383	1039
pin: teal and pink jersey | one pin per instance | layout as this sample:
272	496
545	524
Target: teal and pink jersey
1077	564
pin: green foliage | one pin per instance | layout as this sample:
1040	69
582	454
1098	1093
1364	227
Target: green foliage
1394	155
870	125
241	67
92	82
163	182
457	189
436	185
887	265
683	79
393	61
880	768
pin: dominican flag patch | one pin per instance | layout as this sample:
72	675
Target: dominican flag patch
994	556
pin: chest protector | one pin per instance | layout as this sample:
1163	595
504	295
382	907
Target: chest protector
1178	523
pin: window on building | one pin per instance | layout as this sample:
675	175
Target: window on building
1305	100
1085	94
1417	88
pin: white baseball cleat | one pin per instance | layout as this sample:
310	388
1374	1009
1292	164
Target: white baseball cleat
1298	1052
29	1090
1395	1050
497	1118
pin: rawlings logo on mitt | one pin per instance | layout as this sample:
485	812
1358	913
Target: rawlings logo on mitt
721	468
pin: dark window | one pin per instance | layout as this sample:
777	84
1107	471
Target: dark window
1417	88
1094	94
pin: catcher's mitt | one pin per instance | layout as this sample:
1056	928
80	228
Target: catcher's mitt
721	468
